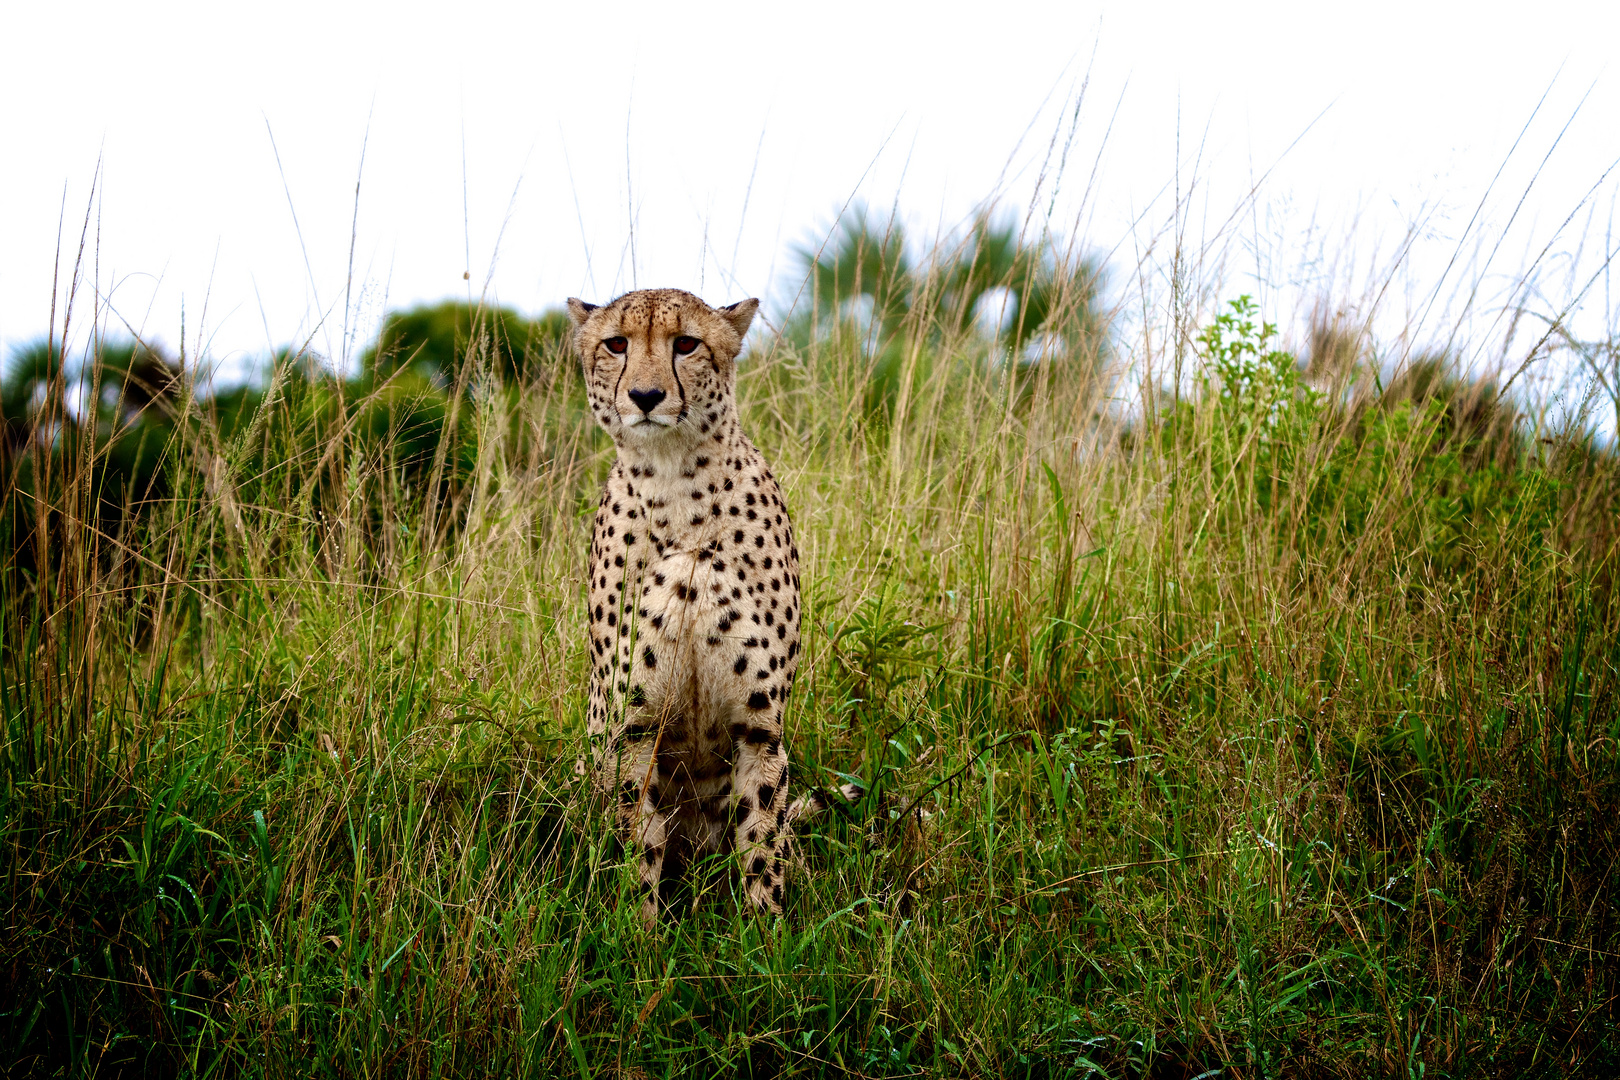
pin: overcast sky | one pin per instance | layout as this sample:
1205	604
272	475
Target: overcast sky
552	150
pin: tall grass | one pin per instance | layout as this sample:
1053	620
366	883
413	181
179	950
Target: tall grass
1268	730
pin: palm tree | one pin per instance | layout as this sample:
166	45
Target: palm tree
1005	297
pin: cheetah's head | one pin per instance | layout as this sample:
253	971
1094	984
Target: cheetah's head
660	364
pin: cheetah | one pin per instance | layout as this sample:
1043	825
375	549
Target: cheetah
694	611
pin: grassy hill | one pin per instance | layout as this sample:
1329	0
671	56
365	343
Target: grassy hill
1266	729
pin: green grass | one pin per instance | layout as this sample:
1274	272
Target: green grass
1272	733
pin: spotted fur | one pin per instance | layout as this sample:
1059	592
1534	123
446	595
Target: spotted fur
694	606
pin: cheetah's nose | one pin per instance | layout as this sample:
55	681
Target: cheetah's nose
647	400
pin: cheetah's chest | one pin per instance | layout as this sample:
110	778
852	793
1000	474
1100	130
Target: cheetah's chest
691	617
704	620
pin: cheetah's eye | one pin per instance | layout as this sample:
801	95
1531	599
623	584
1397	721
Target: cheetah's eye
616	345
684	344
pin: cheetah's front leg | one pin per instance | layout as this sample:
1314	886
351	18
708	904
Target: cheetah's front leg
649	837
760	770
643	822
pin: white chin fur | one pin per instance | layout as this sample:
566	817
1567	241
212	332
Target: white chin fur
645	422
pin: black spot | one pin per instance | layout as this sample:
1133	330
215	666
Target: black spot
658	622
741	665
767	794
650	660
757	700
638	696
612	619
757	867
776	894
758	735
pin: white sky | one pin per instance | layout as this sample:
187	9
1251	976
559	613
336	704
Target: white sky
726	133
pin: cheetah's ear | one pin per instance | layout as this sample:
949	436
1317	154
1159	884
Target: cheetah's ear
740	315
579	311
